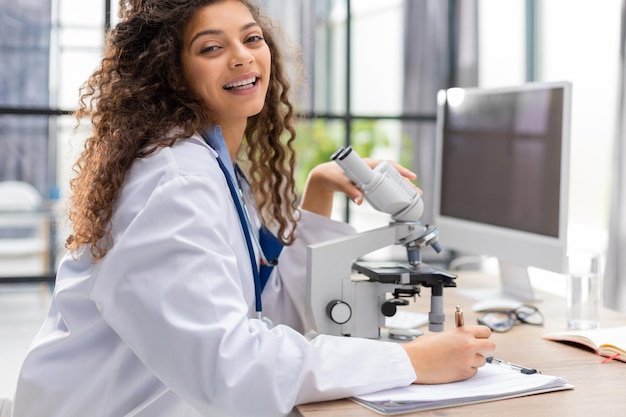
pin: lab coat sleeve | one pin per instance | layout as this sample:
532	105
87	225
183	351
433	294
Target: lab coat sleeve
284	297
170	288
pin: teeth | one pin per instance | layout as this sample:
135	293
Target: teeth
241	83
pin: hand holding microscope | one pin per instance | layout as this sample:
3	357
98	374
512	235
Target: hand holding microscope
343	304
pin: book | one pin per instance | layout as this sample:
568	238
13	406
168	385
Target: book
492	382
609	342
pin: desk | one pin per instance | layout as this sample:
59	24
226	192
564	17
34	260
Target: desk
599	387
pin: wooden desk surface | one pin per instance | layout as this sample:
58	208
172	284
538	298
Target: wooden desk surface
599	389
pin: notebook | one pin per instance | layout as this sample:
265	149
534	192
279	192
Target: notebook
609	342
492	382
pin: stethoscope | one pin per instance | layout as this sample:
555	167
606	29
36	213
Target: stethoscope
238	199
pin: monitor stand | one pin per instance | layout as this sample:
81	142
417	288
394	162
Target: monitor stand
515	288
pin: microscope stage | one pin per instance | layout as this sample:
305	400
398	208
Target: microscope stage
399	273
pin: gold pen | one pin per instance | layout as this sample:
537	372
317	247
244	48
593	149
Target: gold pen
458	316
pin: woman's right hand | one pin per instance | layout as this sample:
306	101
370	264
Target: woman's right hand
327	178
449	356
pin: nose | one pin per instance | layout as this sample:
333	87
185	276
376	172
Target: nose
241	56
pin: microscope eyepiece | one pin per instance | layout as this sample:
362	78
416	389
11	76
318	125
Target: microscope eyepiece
383	187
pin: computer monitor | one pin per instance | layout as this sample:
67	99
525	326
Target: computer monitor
501	183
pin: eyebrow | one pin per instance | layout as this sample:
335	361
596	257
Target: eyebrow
219	32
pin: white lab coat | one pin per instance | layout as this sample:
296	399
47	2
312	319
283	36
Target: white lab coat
161	326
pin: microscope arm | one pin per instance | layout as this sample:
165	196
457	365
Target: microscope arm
329	269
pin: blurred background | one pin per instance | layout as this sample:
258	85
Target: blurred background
371	70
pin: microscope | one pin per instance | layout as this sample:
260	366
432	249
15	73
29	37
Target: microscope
353	298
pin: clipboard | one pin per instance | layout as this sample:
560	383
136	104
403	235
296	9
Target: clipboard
492	382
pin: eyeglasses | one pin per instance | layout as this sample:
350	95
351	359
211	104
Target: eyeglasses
504	320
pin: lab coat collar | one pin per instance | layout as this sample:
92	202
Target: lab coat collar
214	137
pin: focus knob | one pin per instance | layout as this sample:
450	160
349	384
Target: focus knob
339	311
389	307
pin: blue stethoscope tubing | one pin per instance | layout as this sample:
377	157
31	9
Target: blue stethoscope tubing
246	232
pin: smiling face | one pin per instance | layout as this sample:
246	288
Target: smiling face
226	61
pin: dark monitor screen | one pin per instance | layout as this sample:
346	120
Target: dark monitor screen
502	156
502	177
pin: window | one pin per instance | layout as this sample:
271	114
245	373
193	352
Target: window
25	56
354	74
352	85
47	49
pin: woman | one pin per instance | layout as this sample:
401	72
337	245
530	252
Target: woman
154	311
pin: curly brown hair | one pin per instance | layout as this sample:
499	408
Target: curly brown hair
138	97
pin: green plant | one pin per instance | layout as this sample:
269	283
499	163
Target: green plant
317	139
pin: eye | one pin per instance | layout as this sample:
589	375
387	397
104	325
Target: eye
254	38
209	49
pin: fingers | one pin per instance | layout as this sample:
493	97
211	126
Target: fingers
483	344
405	172
470	368
478	347
479	360
328	177
487	346
479	331
469	371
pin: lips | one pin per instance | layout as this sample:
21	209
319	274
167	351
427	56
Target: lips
243	84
